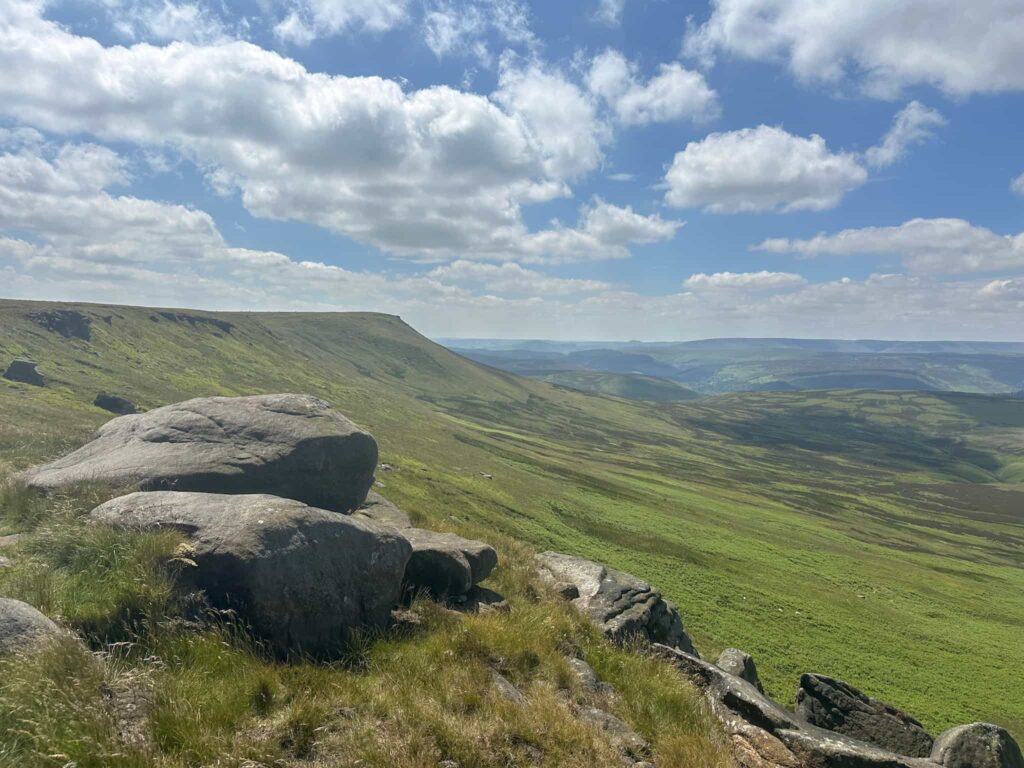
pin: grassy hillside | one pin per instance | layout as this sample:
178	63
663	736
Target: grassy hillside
628	385
876	536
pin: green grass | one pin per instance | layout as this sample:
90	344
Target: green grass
875	536
628	385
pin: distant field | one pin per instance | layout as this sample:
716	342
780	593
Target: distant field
876	536
630	386
733	365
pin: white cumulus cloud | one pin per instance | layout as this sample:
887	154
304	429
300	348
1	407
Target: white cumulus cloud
672	94
431	174
882	45
1017	185
761	169
942	246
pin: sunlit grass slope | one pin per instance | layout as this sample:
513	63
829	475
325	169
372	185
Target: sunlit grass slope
875	536
629	385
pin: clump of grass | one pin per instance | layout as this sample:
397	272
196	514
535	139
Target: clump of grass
53	712
106	584
21	508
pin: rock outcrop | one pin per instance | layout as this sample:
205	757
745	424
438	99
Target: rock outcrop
446	565
978	745
24	371
293	446
67	322
379	509
22	627
302	578
115	404
837	706
765	735
620	604
736	662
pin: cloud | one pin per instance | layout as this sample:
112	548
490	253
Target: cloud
510	278
610	12
1017	185
751	281
1004	290
91	245
912	125
761	169
557	114
461	28
621	176
308	20
941	246
604	231
674	93
166	20
433	174
883	46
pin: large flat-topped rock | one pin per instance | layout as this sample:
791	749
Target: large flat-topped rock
303	578
620	604
293	446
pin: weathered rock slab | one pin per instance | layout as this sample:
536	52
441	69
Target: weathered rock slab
741	664
620	604
380	510
293	446
978	745
23	628
446	565
837	706
303	578
770	736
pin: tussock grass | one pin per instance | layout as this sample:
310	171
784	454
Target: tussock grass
103	583
149	688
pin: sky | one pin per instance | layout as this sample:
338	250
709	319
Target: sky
580	169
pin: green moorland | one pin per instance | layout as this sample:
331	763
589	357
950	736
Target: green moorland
628	385
876	536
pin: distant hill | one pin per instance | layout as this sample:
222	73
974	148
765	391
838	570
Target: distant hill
734	365
629	385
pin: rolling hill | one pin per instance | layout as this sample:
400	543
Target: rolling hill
715	366
631	386
876	536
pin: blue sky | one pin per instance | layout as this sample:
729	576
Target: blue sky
585	169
